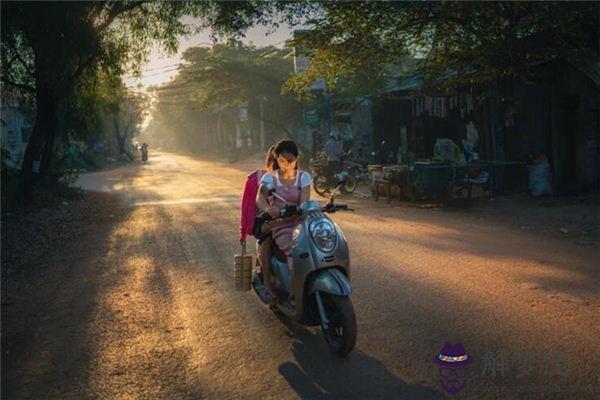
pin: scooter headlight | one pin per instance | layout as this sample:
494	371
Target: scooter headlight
324	235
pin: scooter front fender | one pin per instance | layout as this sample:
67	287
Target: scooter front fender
330	280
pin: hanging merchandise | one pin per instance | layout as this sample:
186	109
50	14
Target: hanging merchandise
469	100
453	102
421	105
461	104
428	104
444	107
438	107
472	134
509	118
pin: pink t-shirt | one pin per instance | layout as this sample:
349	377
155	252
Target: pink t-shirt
248	206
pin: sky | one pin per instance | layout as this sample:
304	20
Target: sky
162	67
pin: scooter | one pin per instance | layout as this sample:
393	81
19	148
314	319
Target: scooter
319	293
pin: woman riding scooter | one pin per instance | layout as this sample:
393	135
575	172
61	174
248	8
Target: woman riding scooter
305	265
292	187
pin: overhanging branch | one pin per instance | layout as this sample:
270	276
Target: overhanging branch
117	9
22	86
19	58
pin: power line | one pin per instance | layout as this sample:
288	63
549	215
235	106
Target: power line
158	73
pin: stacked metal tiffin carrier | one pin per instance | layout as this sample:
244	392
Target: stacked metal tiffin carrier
242	270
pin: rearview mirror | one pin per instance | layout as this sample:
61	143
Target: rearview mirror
267	189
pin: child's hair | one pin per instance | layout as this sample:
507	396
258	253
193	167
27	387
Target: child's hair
271	159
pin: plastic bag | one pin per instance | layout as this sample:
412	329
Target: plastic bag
539	179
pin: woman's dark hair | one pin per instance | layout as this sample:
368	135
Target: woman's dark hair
285	146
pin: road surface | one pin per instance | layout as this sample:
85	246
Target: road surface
141	305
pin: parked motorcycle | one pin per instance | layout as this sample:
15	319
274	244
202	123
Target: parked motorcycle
321	267
357	168
323	182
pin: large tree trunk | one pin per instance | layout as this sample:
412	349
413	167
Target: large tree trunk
121	136
38	155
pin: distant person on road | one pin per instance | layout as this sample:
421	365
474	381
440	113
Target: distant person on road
144	152
248	206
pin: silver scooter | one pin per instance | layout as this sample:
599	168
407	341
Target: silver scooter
321	272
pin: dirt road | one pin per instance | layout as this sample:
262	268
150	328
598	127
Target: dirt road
138	302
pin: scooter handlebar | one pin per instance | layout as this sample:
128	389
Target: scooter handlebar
293	210
331	208
289	211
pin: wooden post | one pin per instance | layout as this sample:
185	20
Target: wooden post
554	109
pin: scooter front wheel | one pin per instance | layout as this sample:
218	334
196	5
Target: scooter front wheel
340	335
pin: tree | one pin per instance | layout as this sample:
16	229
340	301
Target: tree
126	121
466	42
123	111
48	47
215	81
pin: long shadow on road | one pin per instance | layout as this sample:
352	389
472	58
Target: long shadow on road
45	342
317	375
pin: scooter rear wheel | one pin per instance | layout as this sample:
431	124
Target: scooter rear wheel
340	336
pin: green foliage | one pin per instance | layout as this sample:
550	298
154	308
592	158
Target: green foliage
229	75
477	41
53	51
218	80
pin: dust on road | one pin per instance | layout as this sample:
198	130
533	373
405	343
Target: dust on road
139	301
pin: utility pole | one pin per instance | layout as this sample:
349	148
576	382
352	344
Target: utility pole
262	123
329	112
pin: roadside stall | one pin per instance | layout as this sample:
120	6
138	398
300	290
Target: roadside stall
433	180
451	174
